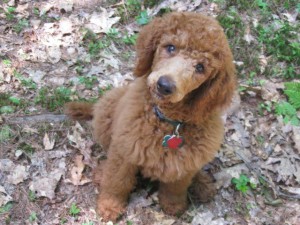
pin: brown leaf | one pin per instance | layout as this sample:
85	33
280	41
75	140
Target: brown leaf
102	22
77	178
270	90
296	138
4	197
48	144
18	175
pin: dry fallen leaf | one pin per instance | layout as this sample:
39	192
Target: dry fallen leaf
6	165
263	62
138	200
48	144
83	144
208	218
54	54
66	5
285	168
102	22
4	197
36	75
77	178
296	138
161	219
18	175
269	90
44	186
65	25
248	37
110	59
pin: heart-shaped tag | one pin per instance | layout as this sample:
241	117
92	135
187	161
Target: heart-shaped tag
175	142
172	141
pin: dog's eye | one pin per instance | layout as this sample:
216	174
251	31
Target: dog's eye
199	68
170	48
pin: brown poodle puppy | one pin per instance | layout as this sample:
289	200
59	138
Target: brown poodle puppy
166	124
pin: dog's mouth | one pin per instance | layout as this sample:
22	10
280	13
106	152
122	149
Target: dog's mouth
156	95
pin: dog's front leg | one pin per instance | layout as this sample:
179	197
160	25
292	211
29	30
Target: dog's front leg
117	182
173	196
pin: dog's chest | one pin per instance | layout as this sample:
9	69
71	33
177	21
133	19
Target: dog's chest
163	163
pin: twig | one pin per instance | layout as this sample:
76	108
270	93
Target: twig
48	118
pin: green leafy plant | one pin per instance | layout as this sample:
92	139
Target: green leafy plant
88	82
15	100
292	90
53	100
251	79
9	14
113	33
36	11
5	133
95	47
265	106
26	148
280	40
130	39
143	18
242	183
32	196
7	109
63	220
26	82
133	6
93	43
102	91
74	210
6	208
289	109
23	23
232	23
88	223
33	217
262	4
298	7
6	62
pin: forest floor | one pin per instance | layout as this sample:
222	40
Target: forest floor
52	52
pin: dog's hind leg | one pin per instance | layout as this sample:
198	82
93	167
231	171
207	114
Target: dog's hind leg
202	188
104	114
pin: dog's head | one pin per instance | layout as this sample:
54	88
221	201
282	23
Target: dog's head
186	57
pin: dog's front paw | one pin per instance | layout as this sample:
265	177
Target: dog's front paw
110	209
171	207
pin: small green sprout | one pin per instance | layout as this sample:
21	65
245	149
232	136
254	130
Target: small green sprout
243	183
74	210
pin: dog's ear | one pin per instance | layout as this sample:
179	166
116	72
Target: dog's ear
147	42
217	92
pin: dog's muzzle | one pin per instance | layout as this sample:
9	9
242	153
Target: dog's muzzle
165	85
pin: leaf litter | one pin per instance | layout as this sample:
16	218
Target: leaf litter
58	170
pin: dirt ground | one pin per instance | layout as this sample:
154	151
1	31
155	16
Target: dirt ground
56	51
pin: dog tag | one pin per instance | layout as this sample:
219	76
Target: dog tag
172	141
175	142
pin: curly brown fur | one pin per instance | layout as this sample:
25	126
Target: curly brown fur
126	126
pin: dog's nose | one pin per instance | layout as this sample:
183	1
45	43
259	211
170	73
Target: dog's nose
165	85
